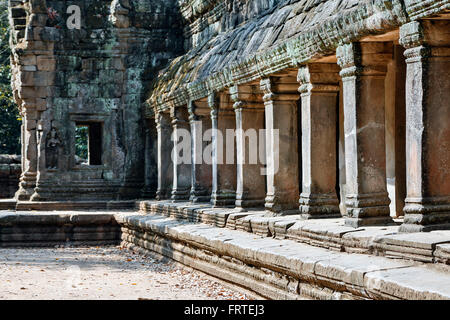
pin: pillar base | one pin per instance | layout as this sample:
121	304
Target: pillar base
320	215
199	195
411	227
179	195
319	206
424	217
249	203
368	209
162	194
368	221
24	194
223	199
26	186
276	207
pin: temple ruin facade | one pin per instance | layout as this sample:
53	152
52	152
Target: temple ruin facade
352	97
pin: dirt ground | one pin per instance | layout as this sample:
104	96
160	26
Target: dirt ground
102	273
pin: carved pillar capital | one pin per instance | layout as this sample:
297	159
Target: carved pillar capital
179	118
364	58
318	77
349	58
304	79
160	120
235	95
191	110
413	40
411	35
213	104
266	88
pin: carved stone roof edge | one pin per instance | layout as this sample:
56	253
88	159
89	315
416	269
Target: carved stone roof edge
369	18
418	9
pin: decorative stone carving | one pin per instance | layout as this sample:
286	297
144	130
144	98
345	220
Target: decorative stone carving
119	13
52	145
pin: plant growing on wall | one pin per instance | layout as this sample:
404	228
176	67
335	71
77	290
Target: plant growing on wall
9	114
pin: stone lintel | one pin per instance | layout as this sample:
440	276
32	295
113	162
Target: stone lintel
279	89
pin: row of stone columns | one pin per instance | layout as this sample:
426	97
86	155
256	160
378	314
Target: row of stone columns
273	105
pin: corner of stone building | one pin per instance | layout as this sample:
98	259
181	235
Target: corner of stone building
95	76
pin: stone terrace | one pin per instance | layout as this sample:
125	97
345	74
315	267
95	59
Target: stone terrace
354	100
308	260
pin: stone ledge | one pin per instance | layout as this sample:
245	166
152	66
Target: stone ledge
47	229
283	268
330	234
74	205
7	204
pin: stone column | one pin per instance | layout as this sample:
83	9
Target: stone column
30	156
319	88
223	158
151	165
201	170
427	205
251	182
165	165
281	118
181	155
364	67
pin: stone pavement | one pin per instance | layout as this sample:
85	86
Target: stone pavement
275	257
102	273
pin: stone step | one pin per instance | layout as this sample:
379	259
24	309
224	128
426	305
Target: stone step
280	269
74	205
7	204
48	229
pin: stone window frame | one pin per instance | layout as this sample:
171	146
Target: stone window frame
86	119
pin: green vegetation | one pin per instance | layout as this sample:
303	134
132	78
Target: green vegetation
81	141
9	114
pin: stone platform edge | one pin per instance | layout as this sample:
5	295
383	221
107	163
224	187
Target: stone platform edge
430	247
11	204
282	269
49	229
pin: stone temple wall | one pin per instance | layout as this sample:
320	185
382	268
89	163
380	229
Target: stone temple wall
96	76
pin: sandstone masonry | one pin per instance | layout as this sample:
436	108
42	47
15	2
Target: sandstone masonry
353	94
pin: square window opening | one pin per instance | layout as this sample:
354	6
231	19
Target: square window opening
88	143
